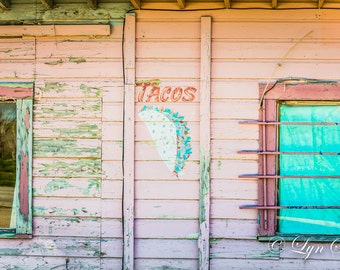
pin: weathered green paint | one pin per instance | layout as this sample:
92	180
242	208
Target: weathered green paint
53	86
57	185
65	13
89	130
193	236
204	183
64	148
85	167
219	164
10	251
54	63
90	90
77	60
92	184
39	210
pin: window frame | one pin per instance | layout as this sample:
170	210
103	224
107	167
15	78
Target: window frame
22	94
270	98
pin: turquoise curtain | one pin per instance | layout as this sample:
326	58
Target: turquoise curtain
309	191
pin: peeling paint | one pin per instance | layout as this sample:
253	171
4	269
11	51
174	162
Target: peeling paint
10	251
70	148
80	167
54	63
193	236
39	210
77	60
204	183
53	86
80	129
57	184
90	90
219	165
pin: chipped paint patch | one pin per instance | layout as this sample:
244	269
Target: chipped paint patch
53	86
54	63
193	236
10	251
90	90
91	130
57	184
219	165
204	183
77	60
85	167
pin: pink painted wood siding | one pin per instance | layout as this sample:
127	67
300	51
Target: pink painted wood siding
78	133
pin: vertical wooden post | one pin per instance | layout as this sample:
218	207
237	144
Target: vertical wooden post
203	240
129	144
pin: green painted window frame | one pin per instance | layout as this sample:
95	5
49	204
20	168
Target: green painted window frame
270	98
22	94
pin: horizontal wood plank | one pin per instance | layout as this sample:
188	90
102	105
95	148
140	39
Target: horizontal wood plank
84	48
167	249
248	264
237	109
147	69
73	89
54	30
111	228
60	167
15	69
166	190
238	89
66	207
231	169
45	246
66	128
155	170
17	49
228	149
233	229
64	68
66	227
157	263
112	150
230	209
80	148
168	49
166	209
85	108
232	129
167	229
270	70
111	189
67	187
41	262
234	189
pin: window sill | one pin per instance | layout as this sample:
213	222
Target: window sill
300	237
10	233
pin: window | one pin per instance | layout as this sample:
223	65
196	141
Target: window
299	160
16	159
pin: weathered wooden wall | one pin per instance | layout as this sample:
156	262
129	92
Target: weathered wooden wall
78	132
77	142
